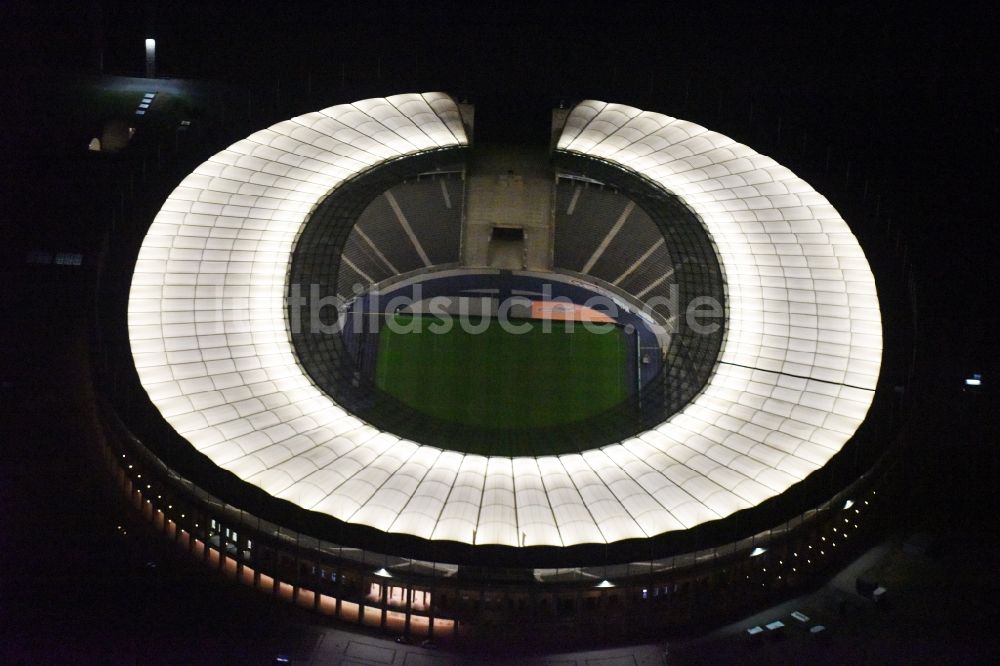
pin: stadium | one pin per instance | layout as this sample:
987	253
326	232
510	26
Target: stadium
629	381
431	333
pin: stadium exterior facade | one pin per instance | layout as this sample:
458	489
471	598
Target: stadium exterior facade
742	486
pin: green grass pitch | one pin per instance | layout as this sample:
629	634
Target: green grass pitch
496	379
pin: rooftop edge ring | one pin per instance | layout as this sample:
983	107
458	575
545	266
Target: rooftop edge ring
795	377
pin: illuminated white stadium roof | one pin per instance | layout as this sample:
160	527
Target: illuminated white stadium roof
796	377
